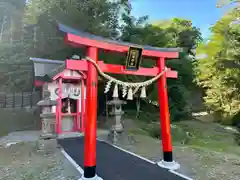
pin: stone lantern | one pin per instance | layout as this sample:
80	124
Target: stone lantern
117	112
48	118
47	140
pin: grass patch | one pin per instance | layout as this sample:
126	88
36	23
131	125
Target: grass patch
138	131
17	120
194	133
210	134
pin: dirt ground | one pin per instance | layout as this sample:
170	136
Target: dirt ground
23	162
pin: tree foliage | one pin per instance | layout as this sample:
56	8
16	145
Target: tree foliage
112	19
173	33
15	69
221	84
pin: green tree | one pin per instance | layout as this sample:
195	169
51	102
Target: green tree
222	3
97	17
15	68
102	18
113	20
42	39
171	33
221	84
11	13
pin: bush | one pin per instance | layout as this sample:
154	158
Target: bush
236	120
178	134
155	131
237	138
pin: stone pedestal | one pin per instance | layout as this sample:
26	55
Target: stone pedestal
48	118
48	123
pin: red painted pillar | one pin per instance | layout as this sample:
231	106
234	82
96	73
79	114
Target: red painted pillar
91	116
83	102
164	113
59	108
77	119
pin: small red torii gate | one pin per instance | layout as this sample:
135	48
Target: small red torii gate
93	43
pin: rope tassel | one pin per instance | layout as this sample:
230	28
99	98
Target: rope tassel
130	94
115	91
143	92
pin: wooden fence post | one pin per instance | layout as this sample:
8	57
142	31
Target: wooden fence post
13	102
31	99
5	101
22	102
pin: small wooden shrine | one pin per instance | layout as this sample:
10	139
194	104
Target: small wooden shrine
65	86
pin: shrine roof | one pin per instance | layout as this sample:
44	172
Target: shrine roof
66	29
46	69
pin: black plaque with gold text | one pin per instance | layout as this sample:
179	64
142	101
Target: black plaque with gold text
134	57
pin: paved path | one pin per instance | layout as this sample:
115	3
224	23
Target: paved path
113	163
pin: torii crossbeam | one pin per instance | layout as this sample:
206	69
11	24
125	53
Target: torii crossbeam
93	43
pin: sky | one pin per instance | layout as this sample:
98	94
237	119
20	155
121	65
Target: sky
203	13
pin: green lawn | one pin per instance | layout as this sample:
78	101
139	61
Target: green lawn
194	133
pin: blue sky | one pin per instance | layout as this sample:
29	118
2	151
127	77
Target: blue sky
203	13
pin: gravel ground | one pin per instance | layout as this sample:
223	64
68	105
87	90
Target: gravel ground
22	161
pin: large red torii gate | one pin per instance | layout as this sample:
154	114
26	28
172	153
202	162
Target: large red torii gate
93	43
